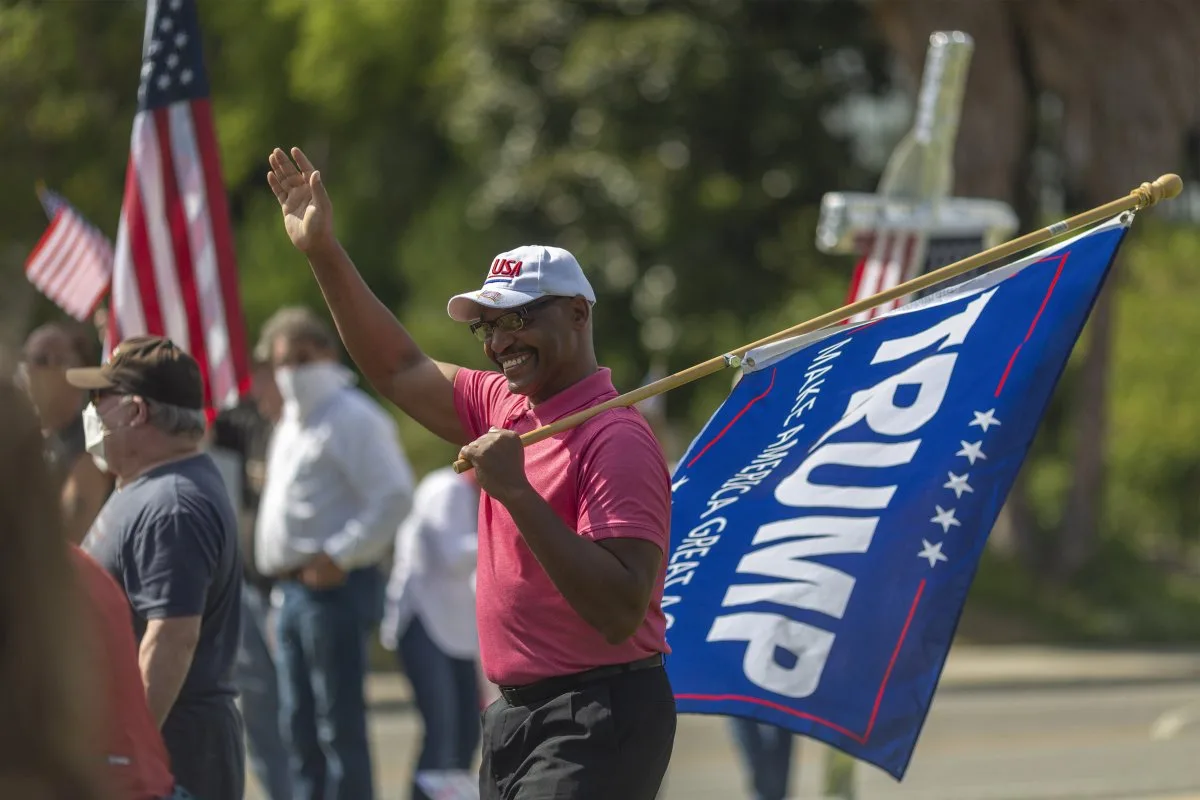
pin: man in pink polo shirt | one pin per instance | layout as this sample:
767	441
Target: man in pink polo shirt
572	530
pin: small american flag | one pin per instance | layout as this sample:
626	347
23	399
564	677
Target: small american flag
175	273
892	257
72	262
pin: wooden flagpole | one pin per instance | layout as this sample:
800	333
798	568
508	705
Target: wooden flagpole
1166	187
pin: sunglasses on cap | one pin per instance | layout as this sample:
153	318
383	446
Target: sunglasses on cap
511	322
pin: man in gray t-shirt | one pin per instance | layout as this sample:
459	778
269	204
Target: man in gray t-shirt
168	535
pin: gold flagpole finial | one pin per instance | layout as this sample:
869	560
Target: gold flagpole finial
1164	188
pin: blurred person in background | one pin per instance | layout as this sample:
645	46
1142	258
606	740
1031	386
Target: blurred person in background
766	754
239	443
429	619
168	535
337	487
51	718
49	352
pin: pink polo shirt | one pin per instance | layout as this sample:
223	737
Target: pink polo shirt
605	478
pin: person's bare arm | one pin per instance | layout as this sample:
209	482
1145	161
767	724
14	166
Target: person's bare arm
165	656
83	494
380	346
608	583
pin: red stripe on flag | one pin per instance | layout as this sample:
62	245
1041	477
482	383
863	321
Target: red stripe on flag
41	257
181	245
67	266
1062	261
139	252
218	214
66	269
57	258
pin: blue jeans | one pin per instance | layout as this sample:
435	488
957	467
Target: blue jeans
767	754
258	685
322	658
447	698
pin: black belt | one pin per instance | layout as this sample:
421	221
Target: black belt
538	691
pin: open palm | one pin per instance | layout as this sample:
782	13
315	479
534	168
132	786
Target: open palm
307	212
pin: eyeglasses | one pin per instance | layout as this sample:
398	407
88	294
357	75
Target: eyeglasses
511	322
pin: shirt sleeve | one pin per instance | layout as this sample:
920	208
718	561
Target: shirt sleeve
624	487
366	448
170	564
476	395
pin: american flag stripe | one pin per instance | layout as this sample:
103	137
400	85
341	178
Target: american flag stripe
72	262
185	311
210	273
54	257
158	231
135	290
231	378
889	261
175	272
59	259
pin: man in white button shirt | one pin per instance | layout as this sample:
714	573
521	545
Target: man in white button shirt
337	487
430	619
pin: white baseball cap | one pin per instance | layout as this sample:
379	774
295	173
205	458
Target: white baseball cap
521	276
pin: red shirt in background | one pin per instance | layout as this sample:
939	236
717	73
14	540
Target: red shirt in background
134	747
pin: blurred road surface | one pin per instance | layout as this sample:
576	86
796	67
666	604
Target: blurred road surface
1019	723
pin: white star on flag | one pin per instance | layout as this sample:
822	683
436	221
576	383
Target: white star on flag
945	518
933	552
984	419
958	483
972	451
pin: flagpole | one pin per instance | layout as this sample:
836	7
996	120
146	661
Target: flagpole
1148	194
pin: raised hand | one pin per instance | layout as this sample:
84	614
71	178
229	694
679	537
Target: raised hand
307	212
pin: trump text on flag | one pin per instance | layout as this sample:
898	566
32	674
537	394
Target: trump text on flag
828	520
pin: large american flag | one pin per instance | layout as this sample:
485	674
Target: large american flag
891	257
72	262
175	273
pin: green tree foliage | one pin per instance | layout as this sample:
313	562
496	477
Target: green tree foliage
677	148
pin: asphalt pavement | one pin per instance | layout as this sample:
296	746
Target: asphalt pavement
1007	722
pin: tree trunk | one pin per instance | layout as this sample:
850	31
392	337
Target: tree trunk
1081	517
1128	97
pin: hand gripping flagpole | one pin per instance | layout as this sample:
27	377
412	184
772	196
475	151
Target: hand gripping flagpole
1166	187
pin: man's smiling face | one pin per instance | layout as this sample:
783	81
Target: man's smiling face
537	357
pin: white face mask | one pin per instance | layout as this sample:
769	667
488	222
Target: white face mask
94	434
309	385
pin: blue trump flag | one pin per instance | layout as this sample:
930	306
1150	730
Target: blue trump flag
828	521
